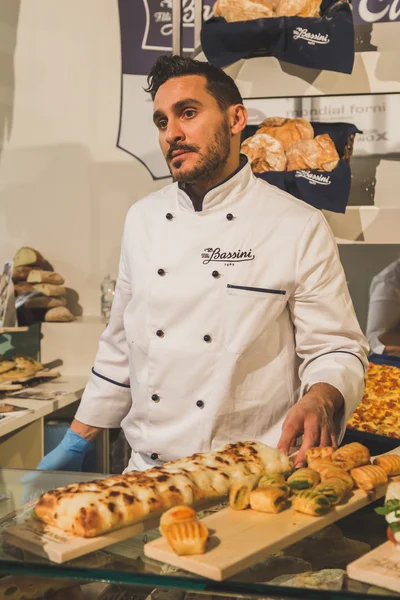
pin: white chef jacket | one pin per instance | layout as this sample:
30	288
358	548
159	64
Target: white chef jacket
384	305
221	320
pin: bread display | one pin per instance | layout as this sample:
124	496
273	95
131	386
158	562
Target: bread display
287	131
265	153
39	276
59	314
369	477
318	154
249	10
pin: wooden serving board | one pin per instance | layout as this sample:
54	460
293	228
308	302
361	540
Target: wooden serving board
56	545
15	384
379	567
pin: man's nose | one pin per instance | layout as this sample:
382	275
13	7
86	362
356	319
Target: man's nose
174	132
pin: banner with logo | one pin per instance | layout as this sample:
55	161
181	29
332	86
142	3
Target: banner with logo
323	190
376	11
325	43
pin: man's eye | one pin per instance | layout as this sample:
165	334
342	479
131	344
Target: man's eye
189	113
162	124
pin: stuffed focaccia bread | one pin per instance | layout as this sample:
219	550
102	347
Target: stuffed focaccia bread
94	508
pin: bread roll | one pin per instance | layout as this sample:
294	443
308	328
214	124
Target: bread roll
20	273
311	502
336	473
48	289
319	464
303	479
242	10
6	364
60	314
39	276
287	131
355	454
369	477
317	154
28	256
333	489
176	514
324	452
268	499
188	537
298	8
265	153
21	287
390	463
45	302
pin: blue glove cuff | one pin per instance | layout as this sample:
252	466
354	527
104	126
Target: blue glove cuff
75	442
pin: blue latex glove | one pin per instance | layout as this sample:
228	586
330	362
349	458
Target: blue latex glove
68	455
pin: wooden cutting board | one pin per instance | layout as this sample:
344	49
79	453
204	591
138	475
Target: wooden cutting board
241	538
379	567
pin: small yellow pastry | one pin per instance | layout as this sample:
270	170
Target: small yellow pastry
318	464
369	477
311	502
276	480
320	452
303	479
354	453
176	514
333	489
187	537
390	463
268	499
239	496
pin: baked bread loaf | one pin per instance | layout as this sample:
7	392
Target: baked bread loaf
22	287
390	463
45	302
39	276
318	154
242	10
20	273
298	8
287	131
60	314
265	153
92	508
48	289
28	256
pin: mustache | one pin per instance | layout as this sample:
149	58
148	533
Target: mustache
185	147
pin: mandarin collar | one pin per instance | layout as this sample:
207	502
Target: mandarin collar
224	192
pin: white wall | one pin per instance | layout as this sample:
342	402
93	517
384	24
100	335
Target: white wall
65	187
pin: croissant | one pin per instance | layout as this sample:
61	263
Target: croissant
324	452
268	499
303	479
175	514
369	477
354	453
188	537
311	502
390	463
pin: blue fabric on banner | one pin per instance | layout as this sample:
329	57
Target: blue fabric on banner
321	189
385	359
326	42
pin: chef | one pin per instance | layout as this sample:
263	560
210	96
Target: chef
231	318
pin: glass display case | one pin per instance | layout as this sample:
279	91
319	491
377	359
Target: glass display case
122	571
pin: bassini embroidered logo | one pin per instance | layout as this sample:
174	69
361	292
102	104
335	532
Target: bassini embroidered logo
313	178
311	38
217	255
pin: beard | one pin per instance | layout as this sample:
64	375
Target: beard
210	164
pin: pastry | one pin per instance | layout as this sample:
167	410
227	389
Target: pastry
311	502
242	10
60	314
354	453
265	153
336	473
318	154
318	464
6	364
268	499
303	479
92	508
239	496
369	477
287	131
176	514
39	276
333	489
298	8
276	480
188	537
48	289
390	463
324	452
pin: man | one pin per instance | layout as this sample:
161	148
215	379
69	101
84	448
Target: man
231	318
383	326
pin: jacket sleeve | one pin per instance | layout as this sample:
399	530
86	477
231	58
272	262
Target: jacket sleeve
329	340
107	396
384	309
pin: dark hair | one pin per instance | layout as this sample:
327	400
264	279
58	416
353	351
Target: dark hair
219	84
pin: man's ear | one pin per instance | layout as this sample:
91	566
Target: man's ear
238	118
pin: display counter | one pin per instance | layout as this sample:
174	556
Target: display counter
123	569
